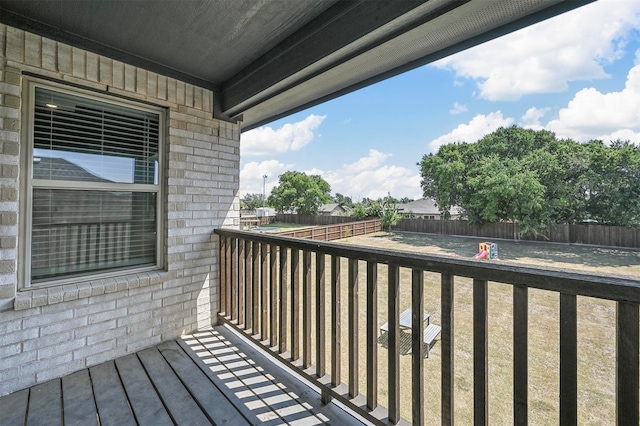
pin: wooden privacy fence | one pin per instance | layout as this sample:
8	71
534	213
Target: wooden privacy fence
597	235
314	219
336	232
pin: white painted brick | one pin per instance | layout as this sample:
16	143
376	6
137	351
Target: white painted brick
9	325
132	319
80	354
105	316
63	348
126	311
148	306
43	342
40	320
94	307
11	365
19	336
111	334
9	350
84	290
66	325
95	329
44	364
138	299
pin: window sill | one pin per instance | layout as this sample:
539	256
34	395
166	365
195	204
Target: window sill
35	297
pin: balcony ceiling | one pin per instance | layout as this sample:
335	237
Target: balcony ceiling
267	59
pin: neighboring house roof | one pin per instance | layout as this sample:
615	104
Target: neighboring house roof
62	169
425	206
331	208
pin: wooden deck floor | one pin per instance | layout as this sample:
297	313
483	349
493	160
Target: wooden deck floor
211	377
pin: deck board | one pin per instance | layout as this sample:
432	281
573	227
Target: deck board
111	399
143	399
79	405
208	396
184	410
13	408
45	404
210	377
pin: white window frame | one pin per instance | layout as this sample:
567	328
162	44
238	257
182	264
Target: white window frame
28	183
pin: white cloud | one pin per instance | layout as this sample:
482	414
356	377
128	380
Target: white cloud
531	118
369	177
592	114
458	109
366	177
544	57
479	126
290	137
251	176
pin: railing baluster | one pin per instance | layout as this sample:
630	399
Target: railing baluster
353	327
627	372
295	304
306	309
283	299
568	360
335	321
273	295
320	315
242	263
480	352
248	286
263	291
372	335
520	355
235	265
446	342
222	276
394	344
417	347
255	296
237	249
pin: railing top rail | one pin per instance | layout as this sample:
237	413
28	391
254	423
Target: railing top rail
602	287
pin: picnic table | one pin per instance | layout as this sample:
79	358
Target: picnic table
429	334
404	321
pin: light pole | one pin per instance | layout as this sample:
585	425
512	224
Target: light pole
264	186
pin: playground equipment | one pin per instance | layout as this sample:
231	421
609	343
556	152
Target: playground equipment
481	254
487	250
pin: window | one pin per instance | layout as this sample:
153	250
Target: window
92	176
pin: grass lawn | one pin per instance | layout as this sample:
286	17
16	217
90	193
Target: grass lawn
596	331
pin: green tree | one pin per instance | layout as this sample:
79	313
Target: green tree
343	200
299	192
614	183
251	201
366	208
359	211
531	177
389	215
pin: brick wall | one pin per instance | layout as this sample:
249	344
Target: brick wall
49	332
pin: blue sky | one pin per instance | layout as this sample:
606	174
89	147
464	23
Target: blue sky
577	75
